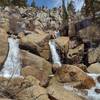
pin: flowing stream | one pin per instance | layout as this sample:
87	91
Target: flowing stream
12	65
92	94
89	94
55	55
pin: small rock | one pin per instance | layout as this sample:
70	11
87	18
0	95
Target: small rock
97	91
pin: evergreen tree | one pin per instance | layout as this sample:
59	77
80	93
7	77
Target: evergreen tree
65	15
33	4
4	3
71	20
20	3
89	7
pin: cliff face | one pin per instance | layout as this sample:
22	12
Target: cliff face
27	18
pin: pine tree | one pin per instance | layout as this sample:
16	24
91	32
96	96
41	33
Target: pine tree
65	15
4	3
33	4
89	7
71	20
20	3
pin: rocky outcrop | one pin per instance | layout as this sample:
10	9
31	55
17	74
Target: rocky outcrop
36	66
82	67
3	46
63	43
94	55
33	92
94	68
57	92
71	73
90	33
36	43
75	55
23	89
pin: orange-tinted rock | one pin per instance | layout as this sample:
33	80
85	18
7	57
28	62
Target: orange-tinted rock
71	73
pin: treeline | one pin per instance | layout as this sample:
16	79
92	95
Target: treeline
20	3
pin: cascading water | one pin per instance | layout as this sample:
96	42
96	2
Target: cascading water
92	94
89	94
55	56
12	65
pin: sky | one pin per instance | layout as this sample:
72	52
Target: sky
57	3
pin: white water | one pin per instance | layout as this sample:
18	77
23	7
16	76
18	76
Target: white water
92	95
12	65
55	56
89	94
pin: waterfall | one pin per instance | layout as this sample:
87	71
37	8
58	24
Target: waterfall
12	65
92	95
55	56
89	94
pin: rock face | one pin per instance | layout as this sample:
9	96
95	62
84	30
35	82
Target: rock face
36	43
33	93
23	89
82	67
94	55
3	46
94	68
70	73
59	93
90	33
38	67
63	43
75	55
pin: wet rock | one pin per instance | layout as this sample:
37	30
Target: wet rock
94	68
3	46
98	79
97	91
71	73
55	67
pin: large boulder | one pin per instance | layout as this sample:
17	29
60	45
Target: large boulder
90	33
57	92
22	89
63	43
4	21
82	67
3	46
10	87
71	73
32	92
36	43
75	55
94	55
36	66
94	68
